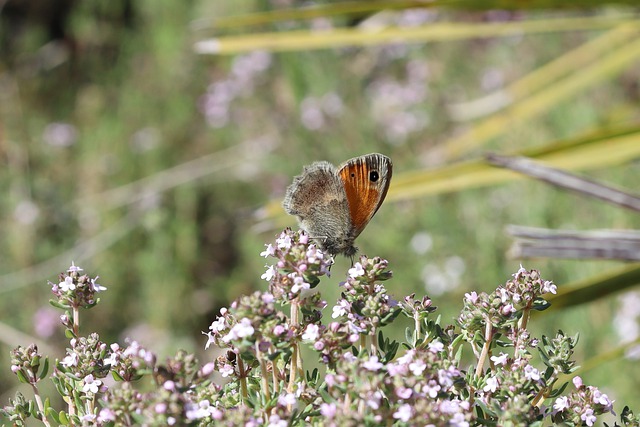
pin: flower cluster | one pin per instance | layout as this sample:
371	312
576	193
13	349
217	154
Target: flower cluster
503	308
26	363
420	387
368	379
299	266
75	289
363	308
85	357
581	406
217	102
364	301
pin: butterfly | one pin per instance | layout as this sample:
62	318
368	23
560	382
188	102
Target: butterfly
333	205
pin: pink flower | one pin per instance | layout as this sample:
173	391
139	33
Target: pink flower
403	413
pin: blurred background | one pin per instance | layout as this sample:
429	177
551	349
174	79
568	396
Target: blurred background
151	143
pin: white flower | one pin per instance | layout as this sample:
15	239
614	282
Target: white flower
91	385
417	367
96	286
240	330
492	385
311	333
70	360
275	421
198	411
287	399
269	274
227	370
436	346
270	251
283	242
299	284
561	404
74	268
341	309
218	325
373	401
112	359
548	286
531	373
210	340
431	389
520	272
588	417
356	270
500	360
67	285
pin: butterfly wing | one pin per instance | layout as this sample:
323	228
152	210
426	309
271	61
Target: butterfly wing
317	197
366	182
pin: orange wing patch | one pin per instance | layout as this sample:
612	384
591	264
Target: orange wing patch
363	195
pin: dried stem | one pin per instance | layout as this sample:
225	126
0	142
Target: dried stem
374	342
264	373
243	379
488	336
295	355
76	321
40	405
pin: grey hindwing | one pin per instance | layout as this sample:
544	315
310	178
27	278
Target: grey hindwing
318	199
308	190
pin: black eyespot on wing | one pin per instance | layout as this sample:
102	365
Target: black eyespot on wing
374	176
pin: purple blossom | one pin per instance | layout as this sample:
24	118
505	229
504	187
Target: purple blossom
436	346
328	410
472	297
403	413
372	364
431	389
588	417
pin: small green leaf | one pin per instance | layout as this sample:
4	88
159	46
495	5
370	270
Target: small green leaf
53	414
59	304
21	377
45	369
